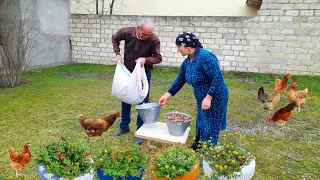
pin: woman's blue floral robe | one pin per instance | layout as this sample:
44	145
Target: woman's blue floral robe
201	70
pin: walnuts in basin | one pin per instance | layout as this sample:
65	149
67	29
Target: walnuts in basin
178	117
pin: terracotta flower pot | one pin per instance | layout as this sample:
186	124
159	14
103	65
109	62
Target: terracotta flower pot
189	176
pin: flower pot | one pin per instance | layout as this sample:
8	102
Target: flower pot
189	176
101	176
245	174
177	128
44	175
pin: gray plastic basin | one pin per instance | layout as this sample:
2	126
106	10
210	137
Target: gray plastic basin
149	112
177	128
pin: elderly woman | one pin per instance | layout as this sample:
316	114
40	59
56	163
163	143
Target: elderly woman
201	70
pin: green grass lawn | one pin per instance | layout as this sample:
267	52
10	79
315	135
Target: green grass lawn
46	106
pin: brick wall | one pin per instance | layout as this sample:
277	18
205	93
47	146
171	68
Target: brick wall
285	37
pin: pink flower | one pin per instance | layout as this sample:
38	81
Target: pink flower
68	167
110	159
140	149
57	148
101	169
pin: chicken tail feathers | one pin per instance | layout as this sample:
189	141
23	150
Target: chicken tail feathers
113	116
260	94
11	153
118	114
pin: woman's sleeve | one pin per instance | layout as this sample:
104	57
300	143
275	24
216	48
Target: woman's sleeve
180	80
211	68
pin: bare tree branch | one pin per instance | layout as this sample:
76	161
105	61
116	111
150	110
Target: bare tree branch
92	6
82	5
122	5
102	6
19	38
111	6
97	6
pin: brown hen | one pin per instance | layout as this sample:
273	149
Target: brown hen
96	127
19	161
282	114
298	97
282	85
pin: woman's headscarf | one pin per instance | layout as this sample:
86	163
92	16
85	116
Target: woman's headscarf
188	39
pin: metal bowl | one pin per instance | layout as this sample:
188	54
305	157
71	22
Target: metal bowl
149	112
177	128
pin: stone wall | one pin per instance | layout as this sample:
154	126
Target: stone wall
284	37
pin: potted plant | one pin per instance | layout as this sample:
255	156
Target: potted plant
66	158
175	161
119	162
230	159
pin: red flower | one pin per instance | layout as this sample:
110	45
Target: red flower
57	148
62	159
59	155
101	169
140	149
68	167
86	154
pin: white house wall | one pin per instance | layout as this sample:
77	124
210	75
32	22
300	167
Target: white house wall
168	7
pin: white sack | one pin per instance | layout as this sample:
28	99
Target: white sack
131	88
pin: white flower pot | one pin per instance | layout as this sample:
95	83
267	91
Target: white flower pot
44	175
245	174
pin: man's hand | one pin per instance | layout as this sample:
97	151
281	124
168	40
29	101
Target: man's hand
142	61
119	58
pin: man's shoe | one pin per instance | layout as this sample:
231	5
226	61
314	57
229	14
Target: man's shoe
121	131
138	140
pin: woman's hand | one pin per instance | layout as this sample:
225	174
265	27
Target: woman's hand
206	103
164	98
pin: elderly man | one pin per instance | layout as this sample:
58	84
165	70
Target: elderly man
140	44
